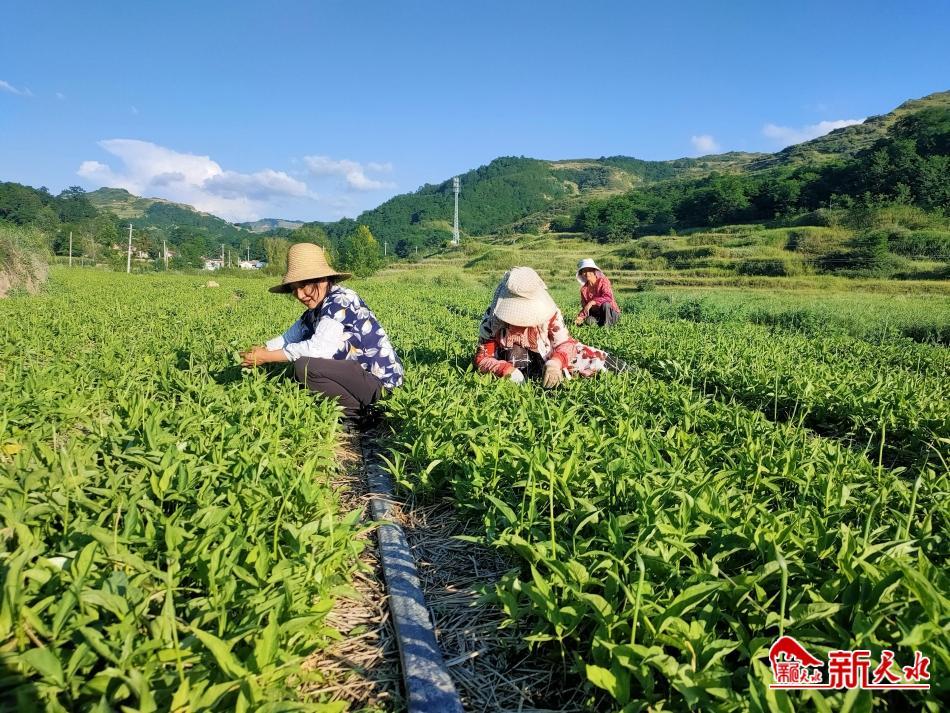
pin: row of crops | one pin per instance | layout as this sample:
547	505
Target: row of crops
668	524
891	400
172	539
170	536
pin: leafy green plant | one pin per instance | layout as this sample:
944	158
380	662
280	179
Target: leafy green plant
170	536
666	530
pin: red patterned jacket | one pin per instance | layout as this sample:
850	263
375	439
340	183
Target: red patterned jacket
552	341
600	292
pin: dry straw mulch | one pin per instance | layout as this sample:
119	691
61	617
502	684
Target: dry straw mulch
492	667
362	668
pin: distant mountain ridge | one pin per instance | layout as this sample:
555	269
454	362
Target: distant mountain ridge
517	193
265	224
511	193
165	214
850	140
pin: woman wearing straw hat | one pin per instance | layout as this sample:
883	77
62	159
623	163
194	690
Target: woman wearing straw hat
522	335
338	347
598	306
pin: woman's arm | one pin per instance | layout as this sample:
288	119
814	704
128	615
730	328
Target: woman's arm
605	292
487	363
326	340
295	333
562	344
255	356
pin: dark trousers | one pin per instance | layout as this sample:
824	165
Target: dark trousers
602	316
341	379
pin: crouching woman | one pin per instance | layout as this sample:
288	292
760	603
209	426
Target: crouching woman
523	336
338	347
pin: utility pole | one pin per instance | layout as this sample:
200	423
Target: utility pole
385	248
165	255
248	253
222	256
128	258
70	248
455	224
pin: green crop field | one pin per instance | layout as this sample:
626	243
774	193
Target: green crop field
772	464
667	525
170	536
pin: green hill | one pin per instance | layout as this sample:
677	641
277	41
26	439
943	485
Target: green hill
507	190
163	215
851	140
900	156
517	194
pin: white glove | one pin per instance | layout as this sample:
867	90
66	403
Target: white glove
552	373
516	376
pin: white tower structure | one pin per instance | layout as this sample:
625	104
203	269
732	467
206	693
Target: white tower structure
455	224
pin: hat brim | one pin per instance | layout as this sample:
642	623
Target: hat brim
287	285
522	311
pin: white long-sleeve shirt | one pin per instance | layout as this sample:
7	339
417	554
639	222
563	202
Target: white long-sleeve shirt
342	327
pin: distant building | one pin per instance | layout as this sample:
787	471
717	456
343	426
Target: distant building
215	263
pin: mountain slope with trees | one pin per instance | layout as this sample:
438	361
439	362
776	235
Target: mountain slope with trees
517	194
901	157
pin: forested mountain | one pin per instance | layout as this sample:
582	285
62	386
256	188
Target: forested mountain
501	194
851	140
629	194
172	219
902	156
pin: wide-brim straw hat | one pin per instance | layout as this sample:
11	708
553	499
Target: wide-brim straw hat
586	264
522	299
306	261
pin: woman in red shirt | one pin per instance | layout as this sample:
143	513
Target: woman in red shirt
598	305
522	335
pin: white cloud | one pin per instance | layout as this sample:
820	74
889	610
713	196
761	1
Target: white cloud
352	172
60	96
787	135
261	185
704	143
152	170
133	110
7	87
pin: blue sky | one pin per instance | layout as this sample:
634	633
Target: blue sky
315	110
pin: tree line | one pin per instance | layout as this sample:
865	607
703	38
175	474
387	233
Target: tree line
911	166
190	237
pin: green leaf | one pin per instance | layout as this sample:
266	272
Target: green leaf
44	662
603	678
221	650
266	646
688	599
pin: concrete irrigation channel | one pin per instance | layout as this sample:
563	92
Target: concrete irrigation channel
427	684
455	652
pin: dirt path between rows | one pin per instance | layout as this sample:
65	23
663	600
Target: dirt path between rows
490	665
